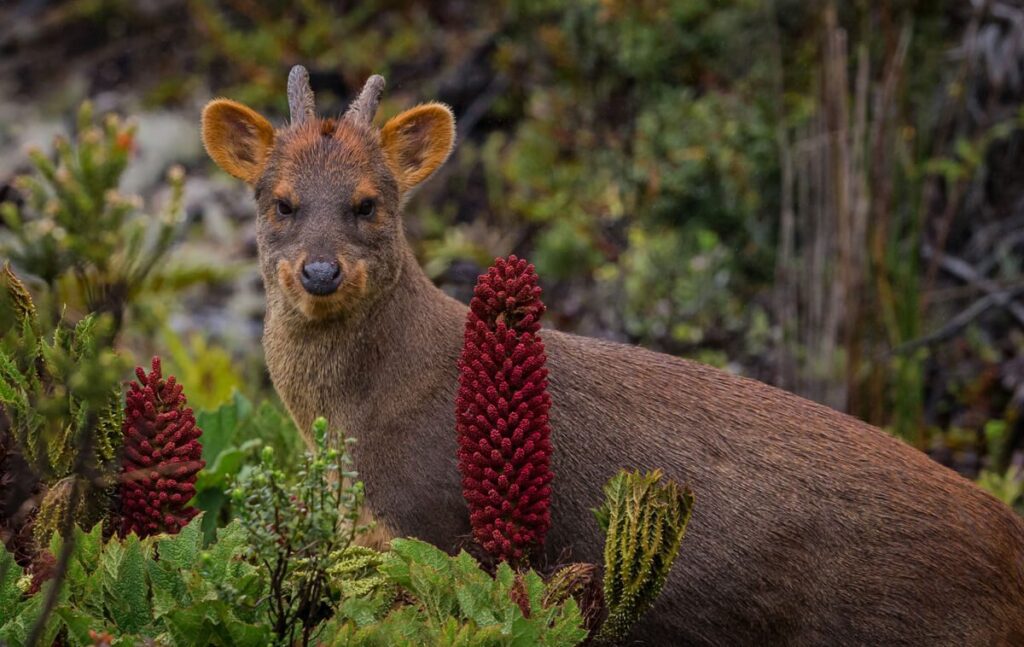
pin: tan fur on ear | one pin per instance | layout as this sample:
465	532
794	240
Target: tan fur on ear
417	142
237	137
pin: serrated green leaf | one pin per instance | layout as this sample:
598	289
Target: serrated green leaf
169	588
124	584
16	630
365	610
217	560
191	625
182	550
473	590
88	546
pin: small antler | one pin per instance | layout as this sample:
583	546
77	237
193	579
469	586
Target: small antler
300	95
364	107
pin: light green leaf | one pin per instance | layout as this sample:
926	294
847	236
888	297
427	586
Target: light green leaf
124	584
220	427
10	595
182	550
190	625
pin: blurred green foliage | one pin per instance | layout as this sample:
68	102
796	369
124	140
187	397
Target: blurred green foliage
86	242
234	434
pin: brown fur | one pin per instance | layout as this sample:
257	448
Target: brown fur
810	527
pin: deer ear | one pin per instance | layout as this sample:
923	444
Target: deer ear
238	138
417	142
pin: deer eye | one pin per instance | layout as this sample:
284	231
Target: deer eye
366	208
284	208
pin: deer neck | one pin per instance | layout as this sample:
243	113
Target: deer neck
362	372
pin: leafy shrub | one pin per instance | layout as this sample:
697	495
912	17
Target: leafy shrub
59	389
60	394
283	573
295	528
454	602
165	589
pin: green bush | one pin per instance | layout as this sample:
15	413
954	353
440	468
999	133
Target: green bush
285	572
454	602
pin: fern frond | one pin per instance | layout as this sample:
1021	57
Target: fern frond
645	521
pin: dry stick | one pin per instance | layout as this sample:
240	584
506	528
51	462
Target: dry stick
480	106
971	45
882	185
965	272
998	299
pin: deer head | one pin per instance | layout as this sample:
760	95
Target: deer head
329	192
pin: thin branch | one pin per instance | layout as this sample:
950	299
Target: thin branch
966	272
998	299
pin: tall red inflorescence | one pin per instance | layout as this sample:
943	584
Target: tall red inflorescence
504	446
162	455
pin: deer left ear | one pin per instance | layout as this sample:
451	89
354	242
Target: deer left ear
417	142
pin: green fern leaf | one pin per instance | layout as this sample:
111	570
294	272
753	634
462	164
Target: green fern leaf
646	521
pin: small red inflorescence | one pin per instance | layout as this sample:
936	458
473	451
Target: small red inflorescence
162	455
501	411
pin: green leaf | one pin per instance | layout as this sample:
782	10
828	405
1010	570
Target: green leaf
231	541
124	584
211	502
191	625
224	468
182	550
169	588
16	629
10	595
78	624
88	546
473	589
220	427
414	551
427	574
365	610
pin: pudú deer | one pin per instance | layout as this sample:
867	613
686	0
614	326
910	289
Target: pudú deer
810	527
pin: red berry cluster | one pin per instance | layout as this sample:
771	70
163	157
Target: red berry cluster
162	455
502	413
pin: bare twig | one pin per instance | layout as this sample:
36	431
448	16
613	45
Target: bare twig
998	299
967	273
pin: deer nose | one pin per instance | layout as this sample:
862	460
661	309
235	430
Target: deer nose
321	278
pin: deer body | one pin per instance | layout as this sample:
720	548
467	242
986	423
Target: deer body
809	527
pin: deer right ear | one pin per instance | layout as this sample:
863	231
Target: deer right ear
238	138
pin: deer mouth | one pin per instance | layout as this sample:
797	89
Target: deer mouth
349	292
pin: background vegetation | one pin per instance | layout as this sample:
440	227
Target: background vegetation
824	196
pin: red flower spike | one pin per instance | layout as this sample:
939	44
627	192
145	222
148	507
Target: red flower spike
162	456
501	413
